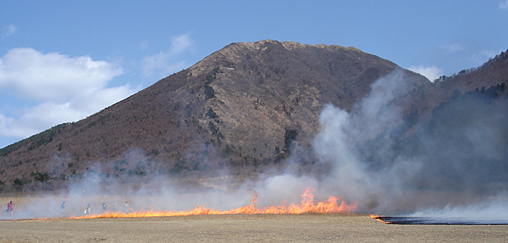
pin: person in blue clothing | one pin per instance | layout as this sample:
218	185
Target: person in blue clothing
9	207
87	210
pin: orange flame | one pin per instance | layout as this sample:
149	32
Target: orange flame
378	218
307	206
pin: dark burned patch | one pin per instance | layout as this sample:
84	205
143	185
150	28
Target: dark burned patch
95	239
437	221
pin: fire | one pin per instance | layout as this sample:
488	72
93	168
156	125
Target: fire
378	218
307	205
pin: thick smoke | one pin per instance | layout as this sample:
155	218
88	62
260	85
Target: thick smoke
457	159
343	136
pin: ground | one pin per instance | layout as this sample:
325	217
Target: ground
243	228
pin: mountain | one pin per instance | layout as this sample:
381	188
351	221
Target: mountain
243	107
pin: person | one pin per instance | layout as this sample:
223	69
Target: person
9	207
87	210
114	206
62	206
126	208
104	206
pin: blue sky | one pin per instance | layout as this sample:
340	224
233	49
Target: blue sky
61	61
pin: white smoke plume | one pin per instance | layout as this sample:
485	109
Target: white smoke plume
342	132
455	164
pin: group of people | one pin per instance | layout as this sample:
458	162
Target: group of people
88	209
105	207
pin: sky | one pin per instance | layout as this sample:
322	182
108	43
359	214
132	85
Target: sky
61	61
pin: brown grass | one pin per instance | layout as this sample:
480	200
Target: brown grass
242	228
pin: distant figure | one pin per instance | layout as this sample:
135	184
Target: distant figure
104	206
114	206
126	206
9	207
87	210
62	207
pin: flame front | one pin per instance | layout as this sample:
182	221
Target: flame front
307	206
377	217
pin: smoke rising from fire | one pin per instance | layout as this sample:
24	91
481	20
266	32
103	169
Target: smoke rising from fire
456	159
344	134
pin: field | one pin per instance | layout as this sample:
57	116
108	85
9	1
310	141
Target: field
220	228
243	228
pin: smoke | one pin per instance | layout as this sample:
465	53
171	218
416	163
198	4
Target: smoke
139	194
493	210
344	135
456	161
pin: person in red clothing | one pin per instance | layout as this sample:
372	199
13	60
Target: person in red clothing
9	207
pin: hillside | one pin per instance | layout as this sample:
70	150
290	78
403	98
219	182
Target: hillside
243	106
425	98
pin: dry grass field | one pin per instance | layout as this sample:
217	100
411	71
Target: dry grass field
243	228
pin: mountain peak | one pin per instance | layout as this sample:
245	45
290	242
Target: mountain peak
243	107
289	45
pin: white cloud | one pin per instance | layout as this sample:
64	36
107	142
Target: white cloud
166	63
503	5
483	56
93	101
52	77
37	119
455	47
63	88
180	43
10	128
431	73
10	30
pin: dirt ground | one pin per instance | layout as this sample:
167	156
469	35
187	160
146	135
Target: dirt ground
243	228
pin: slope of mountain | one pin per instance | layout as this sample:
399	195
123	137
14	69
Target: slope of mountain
241	107
425	98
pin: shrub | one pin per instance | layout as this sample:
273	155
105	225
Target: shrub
210	113
18	182
209	78
155	152
209	92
